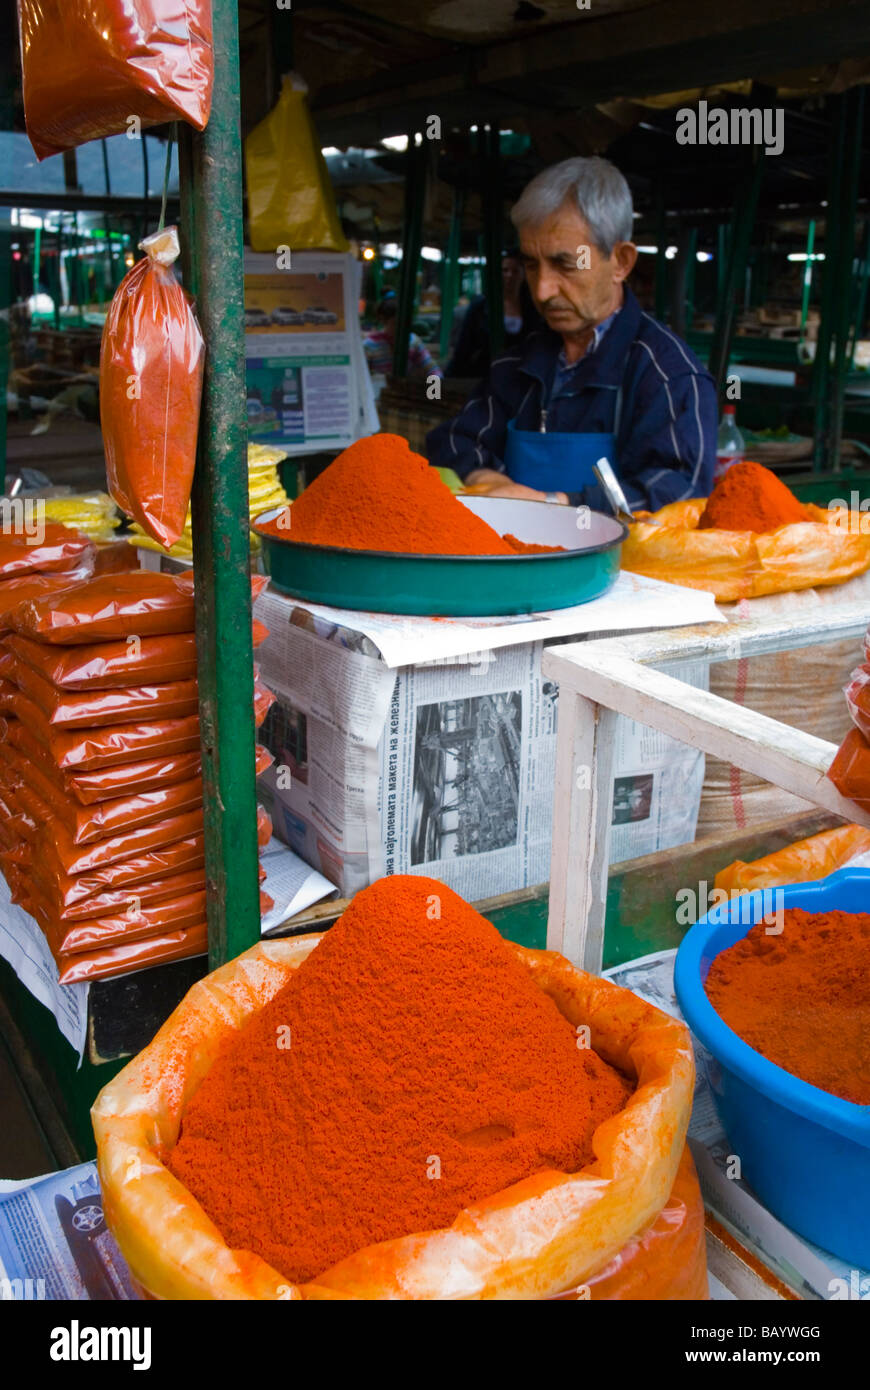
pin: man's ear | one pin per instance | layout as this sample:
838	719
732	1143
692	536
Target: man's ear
623	258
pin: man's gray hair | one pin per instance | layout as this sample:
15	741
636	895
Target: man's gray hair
597	189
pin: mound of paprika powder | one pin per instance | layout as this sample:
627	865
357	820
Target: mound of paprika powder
751	498
410	1068
802	997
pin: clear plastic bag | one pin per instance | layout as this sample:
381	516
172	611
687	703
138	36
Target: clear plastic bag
89	66
58	550
139	604
14	592
111	961
94	709
551	1232
857	694
850	770
151	365
109	665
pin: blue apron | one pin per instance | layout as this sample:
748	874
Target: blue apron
558	461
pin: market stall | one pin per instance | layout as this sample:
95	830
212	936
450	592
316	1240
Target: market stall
479	1072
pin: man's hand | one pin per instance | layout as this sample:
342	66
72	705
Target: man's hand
489	482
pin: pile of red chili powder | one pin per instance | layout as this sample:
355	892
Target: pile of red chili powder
425	1071
751	498
379	495
802	997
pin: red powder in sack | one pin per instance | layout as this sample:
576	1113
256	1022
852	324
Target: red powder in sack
379	495
751	498
802	997
410	1068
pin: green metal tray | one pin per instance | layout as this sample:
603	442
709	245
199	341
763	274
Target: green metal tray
380	581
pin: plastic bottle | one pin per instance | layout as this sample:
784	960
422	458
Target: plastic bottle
730	444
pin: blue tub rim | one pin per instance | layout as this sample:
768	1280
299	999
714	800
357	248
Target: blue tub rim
694	957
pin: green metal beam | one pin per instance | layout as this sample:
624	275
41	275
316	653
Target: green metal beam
412	242
451	271
493	231
742	222
211	180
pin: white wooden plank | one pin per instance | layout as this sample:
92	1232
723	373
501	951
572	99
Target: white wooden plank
787	757
581	831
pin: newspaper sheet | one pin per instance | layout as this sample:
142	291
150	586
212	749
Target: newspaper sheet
813	1273
23	945
307	381
633	603
292	883
444	767
55	1244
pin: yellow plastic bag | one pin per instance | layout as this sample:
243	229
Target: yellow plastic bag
290	198
745	564
800	862
550	1233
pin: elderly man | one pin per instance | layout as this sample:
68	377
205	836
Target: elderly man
603	378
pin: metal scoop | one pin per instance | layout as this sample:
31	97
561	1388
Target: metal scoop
612	490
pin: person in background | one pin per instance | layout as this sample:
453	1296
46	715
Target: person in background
380	346
471	354
600	379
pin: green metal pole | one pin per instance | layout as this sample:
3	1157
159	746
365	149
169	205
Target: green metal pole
211	184
853	120
412	242
491	198
450	279
738	249
6	291
808	275
661	280
819	391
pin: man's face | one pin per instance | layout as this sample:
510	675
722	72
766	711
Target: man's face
573	297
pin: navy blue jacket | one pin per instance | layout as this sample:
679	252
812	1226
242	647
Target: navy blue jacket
666	436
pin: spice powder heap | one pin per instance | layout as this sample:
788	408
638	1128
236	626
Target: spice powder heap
802	997
423	1070
751	498
379	495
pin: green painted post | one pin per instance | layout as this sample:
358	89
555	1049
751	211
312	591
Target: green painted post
412	242
808	275
822	363
451	271
742	223
491	195
211	183
853	121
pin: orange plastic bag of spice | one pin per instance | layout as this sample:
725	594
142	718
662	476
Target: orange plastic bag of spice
29	586
667	1261
801	862
151	364
743	564
94	709
59	850
140	604
850	770
111	961
57	549
547	1234
86	749
108	665
857	694
90	67
133	923
67	888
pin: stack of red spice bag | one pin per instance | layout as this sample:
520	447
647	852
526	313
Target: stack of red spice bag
101	824
850	770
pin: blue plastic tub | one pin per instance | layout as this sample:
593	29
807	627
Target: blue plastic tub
805	1152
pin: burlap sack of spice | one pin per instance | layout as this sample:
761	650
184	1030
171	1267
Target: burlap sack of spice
802	687
553	1232
744	564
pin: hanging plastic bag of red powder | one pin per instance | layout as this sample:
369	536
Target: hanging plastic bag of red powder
90	67
151	363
